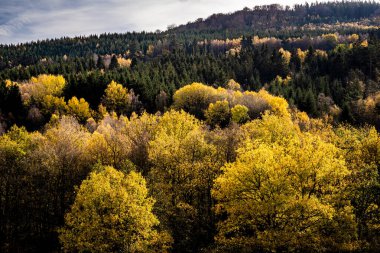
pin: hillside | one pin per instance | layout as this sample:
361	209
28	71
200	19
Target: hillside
277	17
254	131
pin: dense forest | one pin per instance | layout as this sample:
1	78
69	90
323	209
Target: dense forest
254	131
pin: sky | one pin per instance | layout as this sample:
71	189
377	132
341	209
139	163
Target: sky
27	20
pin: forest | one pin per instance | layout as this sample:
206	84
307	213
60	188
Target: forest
253	131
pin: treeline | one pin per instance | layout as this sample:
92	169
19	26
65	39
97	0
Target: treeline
224	170
279	17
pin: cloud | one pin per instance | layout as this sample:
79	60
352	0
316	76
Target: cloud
26	20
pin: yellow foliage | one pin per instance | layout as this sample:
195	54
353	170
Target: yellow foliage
41	86
116	98
280	81
270	128
301	55
112	213
79	109
218	114
109	144
279	106
239	114
126	63
150	50
194	98
321	53
353	38
233	85
9	83
184	166
286	55
364	43
332	37
51	104
281	193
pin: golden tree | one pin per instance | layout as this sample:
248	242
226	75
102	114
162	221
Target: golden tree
112	212
283	192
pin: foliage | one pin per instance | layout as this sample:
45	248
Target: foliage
79	109
39	87
111	213
287	88
116	99
218	114
285	196
183	169
239	114
194	98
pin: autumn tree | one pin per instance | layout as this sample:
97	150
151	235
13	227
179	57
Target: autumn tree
218	114
39	87
109	144
112	212
61	160
239	114
51	104
13	177
140	131
117	99
183	169
283	194
194	98
361	149
79	108
256	105
233	85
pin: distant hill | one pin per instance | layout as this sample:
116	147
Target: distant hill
277	17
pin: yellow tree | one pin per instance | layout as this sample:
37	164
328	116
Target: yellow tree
79	108
112	212
51	104
140	130
38	87
361	150
109	144
218	114
233	85
283	193
117	99
285	55
194	98
183	169
62	154
13	177
239	114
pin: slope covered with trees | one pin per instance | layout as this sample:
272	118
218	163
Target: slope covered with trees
255	131
272	180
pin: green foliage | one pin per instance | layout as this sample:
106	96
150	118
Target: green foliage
114	63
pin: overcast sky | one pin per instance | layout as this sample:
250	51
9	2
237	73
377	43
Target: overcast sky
26	20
